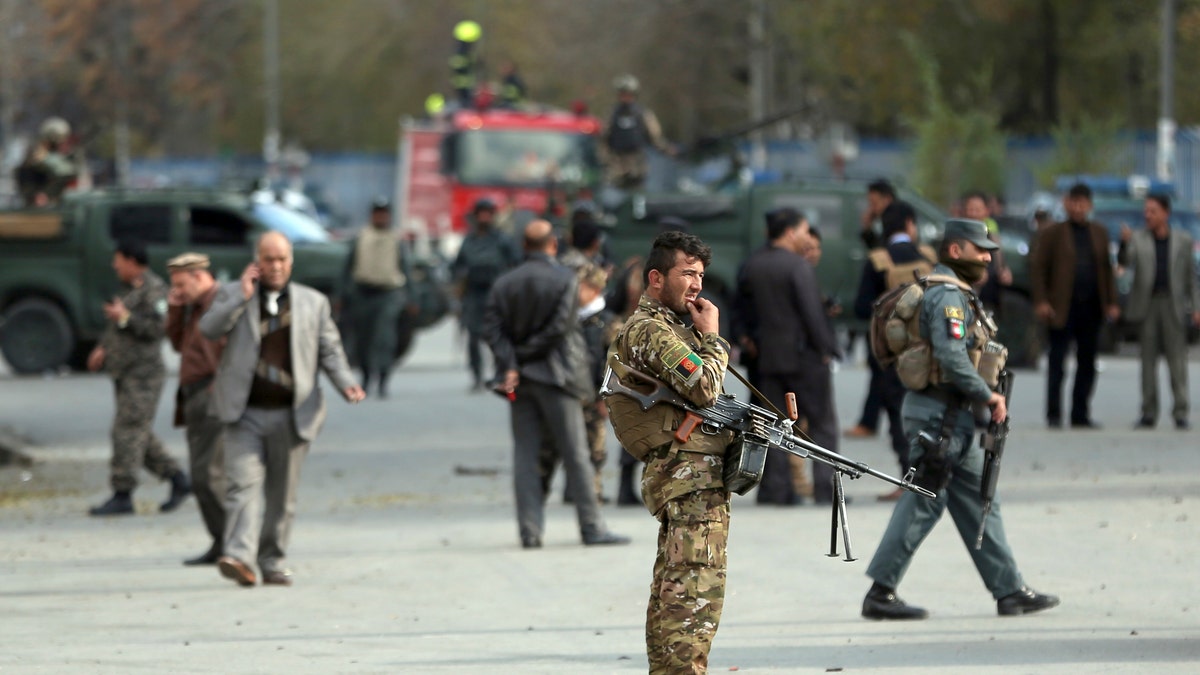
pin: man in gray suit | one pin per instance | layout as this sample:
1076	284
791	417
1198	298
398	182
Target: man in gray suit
1163	299
532	327
266	393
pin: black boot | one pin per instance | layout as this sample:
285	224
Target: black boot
180	489
883	603
625	494
120	504
1025	601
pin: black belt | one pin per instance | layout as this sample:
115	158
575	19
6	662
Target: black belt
192	388
952	399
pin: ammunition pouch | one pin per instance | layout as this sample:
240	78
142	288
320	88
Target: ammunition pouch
745	462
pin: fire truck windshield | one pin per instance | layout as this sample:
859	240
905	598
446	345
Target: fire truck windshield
519	157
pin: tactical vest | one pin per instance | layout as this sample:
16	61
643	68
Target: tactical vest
640	431
897	275
896	336
627	131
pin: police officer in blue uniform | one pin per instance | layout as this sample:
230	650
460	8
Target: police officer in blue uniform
939	422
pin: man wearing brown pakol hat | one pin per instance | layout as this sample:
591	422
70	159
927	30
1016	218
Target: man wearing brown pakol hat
192	291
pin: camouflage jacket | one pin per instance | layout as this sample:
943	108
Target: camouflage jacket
137	345
656	341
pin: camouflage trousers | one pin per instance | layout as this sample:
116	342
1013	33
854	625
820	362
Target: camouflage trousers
595	424
688	590
133	440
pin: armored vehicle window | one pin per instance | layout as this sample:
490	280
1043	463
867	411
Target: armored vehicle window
823	212
216	227
148	223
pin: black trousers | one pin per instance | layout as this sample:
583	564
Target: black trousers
814	399
891	397
1082	328
874	402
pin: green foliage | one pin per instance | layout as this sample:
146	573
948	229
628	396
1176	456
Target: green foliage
958	146
1086	145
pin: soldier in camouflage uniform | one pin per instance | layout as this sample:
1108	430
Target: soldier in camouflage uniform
682	485
952	326
131	352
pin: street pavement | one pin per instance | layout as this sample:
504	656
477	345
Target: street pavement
407	559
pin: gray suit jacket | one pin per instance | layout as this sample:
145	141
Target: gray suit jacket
1138	256
315	343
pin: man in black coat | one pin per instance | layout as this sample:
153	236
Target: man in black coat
885	269
781	306
532	328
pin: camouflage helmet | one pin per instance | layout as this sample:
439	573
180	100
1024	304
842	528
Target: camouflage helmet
54	130
626	82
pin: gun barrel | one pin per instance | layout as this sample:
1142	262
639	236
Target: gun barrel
854	469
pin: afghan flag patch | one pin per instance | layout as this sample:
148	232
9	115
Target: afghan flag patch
683	362
957	329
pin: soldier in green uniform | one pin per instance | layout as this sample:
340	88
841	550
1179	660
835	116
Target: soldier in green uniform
131	352
673	337
940	424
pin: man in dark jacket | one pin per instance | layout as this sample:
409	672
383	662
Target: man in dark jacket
485	254
782	309
532	327
1073	293
885	269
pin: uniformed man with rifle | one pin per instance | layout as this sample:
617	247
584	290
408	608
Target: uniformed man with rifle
953	366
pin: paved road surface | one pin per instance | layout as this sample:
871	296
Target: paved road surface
406	555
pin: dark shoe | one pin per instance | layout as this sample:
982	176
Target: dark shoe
209	557
1086	424
232	568
1054	422
892	496
1182	425
1025	601
180	489
882	604
606	539
277	578
120	504
531	542
1144	423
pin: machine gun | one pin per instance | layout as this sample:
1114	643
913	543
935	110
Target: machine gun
756	430
992	442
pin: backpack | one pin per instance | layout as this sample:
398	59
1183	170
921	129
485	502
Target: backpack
896	317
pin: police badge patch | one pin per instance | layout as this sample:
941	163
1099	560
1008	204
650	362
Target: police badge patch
957	329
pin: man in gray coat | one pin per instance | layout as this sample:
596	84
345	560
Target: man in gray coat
532	328
266	393
1163	300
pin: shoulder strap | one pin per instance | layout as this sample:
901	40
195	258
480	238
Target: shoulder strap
947	279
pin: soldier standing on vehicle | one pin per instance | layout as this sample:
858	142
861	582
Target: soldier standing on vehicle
1073	289
192	291
130	351
631	130
673	336
885	269
486	253
378	270
47	169
1164	299
940	424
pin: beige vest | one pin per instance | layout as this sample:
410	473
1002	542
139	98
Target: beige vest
377	259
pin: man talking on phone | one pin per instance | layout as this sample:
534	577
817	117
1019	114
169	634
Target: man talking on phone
279	333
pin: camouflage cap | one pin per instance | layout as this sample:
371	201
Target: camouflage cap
188	261
593	275
973	231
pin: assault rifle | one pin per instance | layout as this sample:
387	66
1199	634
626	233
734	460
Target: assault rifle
992	441
757	429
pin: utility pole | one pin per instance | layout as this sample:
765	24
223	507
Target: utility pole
759	71
272	133
1165	163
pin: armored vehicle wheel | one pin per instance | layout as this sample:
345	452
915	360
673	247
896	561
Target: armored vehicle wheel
35	336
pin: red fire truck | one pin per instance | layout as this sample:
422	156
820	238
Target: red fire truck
529	162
